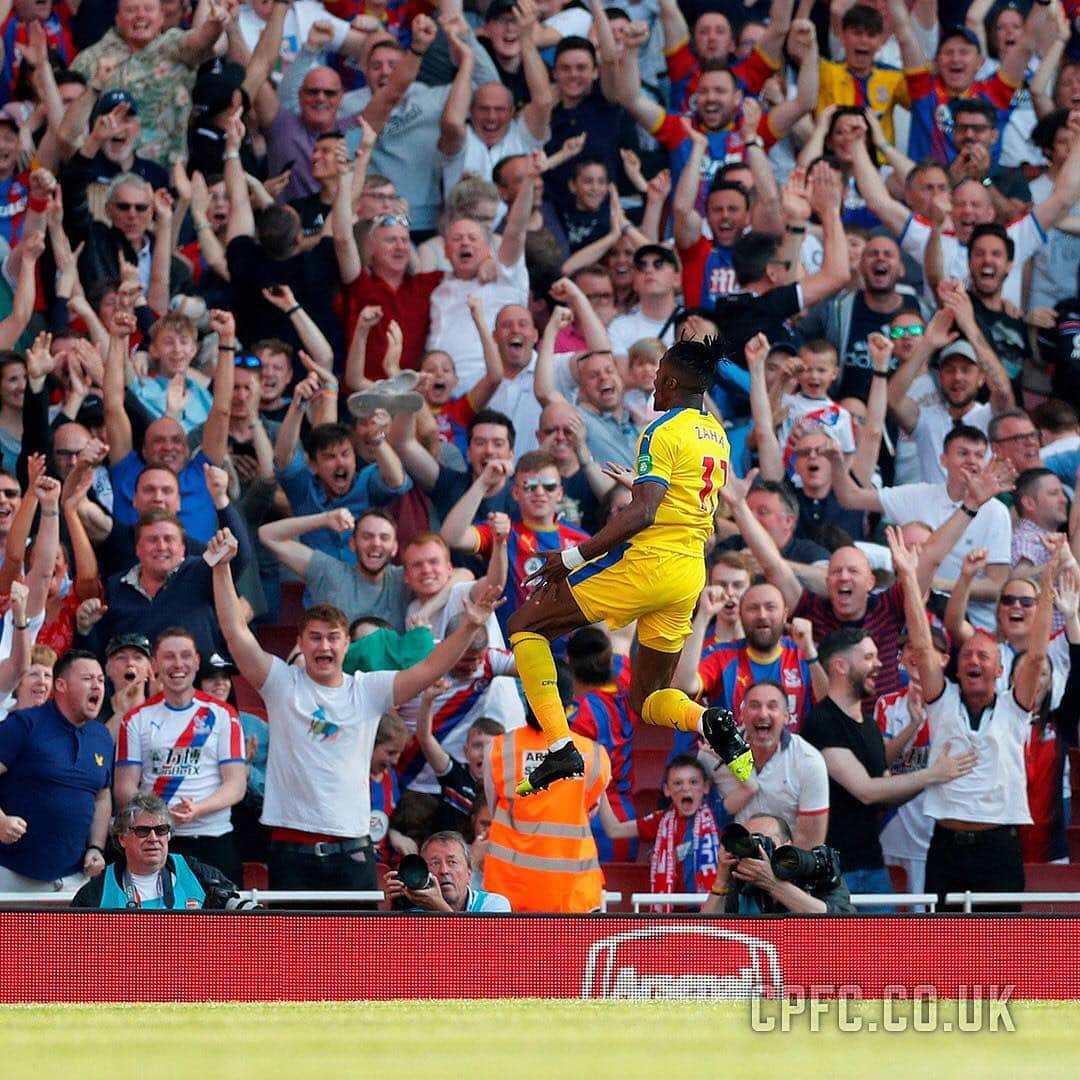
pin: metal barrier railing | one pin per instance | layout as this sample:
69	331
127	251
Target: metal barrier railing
971	900
640	900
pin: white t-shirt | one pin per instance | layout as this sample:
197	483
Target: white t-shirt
1058	654
995	791
991	528
934	423
452	330
627	329
794	781
908	469
516	398
1026	233
570	22
905	829
833	418
321	738
479	159
181	752
299	19
1053	268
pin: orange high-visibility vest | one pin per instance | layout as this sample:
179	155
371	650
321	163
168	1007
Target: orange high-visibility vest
541	854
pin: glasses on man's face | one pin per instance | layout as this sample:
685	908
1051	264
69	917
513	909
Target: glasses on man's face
393	219
533	485
898	333
599	297
143	831
252	363
9	493
1009	600
321	91
1023	436
124	207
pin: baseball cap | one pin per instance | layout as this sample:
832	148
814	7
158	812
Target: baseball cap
938	636
110	100
214	88
217	664
498	8
128	641
958	348
784	347
959	32
663	253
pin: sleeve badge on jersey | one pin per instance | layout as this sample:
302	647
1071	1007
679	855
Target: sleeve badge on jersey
99	760
644	464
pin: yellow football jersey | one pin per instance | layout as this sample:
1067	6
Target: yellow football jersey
687	451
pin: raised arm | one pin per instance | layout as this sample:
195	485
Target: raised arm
457	528
117	424
419	464
770	456
684	203
911	52
589	324
385	100
938	334
341	214
515	229
280	537
826	195
253	662
628	91
686	677
537	113
1029	669
241	218
1066	188
544	375
761	544
46	545
215	434
488	383
198	43
865	459
955	298
848	494
437	757
319	350
893	214
455	113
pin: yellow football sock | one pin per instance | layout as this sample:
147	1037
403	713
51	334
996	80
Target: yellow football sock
536	668
673	709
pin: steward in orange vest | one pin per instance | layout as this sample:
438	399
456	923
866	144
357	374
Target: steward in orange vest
541	853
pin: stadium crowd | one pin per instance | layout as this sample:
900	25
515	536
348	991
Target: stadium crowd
323	323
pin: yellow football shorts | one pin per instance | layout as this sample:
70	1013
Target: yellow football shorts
657	588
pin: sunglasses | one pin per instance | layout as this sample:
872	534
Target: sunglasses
533	485
252	363
10	493
898	333
1011	601
138	207
393	219
143	831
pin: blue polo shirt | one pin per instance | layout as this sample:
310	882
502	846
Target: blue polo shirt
54	773
197	513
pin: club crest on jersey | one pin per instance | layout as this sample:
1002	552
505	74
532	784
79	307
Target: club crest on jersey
99	760
792	679
644	464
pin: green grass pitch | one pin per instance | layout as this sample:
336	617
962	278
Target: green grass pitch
561	1040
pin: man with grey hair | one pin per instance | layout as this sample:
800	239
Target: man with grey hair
146	875
136	215
449	863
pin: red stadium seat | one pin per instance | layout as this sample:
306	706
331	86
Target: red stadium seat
626	878
898	877
650	737
646	800
247	697
256	876
649	767
292	603
279	640
1052	877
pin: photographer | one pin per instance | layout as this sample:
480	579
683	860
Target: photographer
749	886
448	867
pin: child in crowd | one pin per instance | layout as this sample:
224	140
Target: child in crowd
390	742
589	218
686	848
820	368
642	363
461	783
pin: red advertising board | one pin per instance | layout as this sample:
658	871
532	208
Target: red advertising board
155	956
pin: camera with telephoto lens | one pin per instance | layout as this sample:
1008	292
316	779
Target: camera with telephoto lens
413	873
818	868
744	844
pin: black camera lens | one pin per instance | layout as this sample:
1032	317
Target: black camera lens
738	840
413	872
